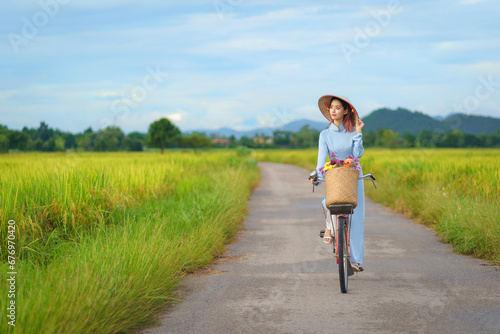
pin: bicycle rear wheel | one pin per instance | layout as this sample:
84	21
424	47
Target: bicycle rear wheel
343	255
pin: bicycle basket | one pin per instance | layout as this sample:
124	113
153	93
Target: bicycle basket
341	186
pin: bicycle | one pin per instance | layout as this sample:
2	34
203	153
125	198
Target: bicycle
340	229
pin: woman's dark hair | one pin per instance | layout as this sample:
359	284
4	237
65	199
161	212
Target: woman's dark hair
349	120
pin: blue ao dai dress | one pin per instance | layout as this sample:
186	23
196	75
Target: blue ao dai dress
336	139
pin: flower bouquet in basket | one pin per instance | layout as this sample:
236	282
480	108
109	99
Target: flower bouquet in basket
341	180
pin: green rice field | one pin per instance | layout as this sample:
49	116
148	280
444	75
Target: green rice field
101	240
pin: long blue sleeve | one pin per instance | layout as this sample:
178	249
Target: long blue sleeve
322	152
357	145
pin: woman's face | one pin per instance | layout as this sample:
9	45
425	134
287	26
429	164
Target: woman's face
337	112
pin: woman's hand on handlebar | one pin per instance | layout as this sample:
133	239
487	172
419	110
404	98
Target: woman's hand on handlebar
315	182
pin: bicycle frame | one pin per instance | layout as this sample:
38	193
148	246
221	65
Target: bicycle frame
341	215
336	229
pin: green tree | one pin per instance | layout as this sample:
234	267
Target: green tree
4	144
282	138
489	140
306	137
455	138
109	139
59	144
388	138
194	140
19	140
246	141
30	132
426	138
409	139
84	143
44	132
162	132
69	140
134	142
38	144
369	138
48	146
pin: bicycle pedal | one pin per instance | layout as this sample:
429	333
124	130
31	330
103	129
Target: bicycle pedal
321	233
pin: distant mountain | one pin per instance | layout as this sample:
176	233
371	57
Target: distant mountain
473	124
293	126
227	132
400	120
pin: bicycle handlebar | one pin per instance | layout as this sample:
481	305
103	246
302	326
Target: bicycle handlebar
314	176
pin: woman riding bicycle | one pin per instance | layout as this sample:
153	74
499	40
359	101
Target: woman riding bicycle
343	137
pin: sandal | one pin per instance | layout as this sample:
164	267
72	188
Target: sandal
328	239
357	267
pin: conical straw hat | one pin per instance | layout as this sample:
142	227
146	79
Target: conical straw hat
324	105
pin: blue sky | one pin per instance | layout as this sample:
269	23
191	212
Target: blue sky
241	63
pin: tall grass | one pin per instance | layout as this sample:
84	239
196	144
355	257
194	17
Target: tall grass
454	191
55	197
112	270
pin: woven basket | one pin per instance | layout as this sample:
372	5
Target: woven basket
341	186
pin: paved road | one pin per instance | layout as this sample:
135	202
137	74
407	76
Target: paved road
280	278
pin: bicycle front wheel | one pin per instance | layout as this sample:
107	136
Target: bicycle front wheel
343	255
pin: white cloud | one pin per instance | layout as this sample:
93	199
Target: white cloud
468	2
253	44
285	14
467	44
108	4
484	67
108	93
175	117
137	120
5	94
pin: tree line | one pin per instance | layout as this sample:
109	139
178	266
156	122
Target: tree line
426	138
163	134
383	138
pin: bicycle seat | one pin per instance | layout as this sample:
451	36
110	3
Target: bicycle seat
341	209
